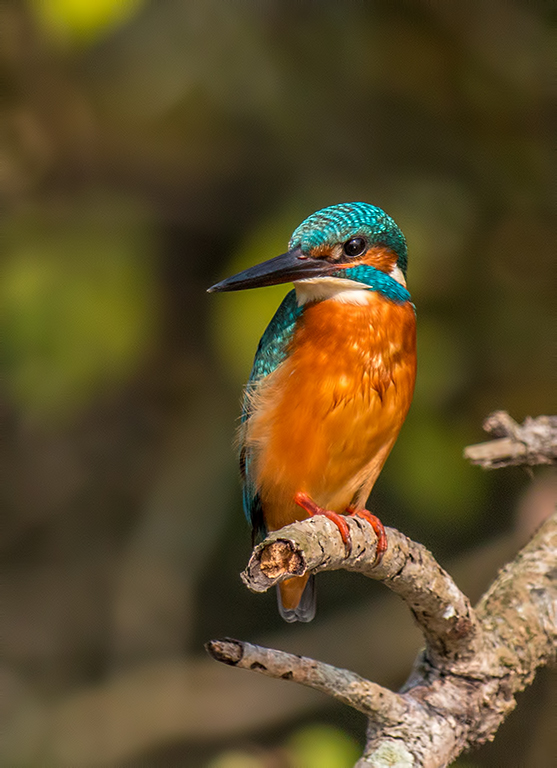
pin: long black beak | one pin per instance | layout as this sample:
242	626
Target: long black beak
293	265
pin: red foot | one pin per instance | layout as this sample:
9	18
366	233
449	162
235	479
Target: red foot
307	503
378	528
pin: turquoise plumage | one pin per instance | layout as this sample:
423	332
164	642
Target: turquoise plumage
271	351
336	223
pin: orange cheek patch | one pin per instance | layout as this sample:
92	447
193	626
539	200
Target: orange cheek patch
378	257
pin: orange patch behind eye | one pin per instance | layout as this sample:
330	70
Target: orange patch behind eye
321	251
380	258
377	256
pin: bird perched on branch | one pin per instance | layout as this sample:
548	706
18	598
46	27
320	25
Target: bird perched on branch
332	380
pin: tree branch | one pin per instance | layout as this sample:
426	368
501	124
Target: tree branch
441	610
475	661
464	682
535	442
343	685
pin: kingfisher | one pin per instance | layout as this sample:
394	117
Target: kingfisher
332	380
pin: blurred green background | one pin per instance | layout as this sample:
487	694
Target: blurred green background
148	149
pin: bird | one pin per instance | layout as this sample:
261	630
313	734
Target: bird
332	379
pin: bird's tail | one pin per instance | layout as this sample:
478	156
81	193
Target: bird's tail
296	598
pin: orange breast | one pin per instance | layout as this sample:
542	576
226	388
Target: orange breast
325	421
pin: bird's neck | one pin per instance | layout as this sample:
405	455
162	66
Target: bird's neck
335	288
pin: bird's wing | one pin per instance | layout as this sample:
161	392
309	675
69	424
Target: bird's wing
271	351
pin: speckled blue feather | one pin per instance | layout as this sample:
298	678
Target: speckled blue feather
271	351
338	223
376	280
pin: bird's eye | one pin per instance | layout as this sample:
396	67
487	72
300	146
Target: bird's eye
354	247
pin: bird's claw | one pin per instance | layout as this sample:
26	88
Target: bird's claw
307	503
378	528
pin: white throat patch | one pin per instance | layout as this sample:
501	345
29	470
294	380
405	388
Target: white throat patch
396	274
337	288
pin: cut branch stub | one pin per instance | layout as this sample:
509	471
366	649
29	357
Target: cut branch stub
279	558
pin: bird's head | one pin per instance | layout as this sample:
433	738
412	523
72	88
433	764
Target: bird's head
345	242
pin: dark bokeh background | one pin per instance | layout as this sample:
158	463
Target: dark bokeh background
149	148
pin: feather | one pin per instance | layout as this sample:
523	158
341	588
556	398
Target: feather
307	603
271	351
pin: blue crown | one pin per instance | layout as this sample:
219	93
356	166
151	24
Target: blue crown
339	223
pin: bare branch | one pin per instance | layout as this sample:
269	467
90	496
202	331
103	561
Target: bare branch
197	699
518	624
535	442
343	685
443	613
